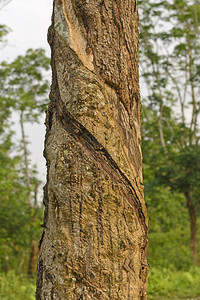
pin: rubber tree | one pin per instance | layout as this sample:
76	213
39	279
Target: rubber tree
94	242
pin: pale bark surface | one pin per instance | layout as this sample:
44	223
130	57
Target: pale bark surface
94	242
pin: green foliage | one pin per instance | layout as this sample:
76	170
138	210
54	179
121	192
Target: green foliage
169	234
23	86
19	225
169	61
16	287
183	172
4	30
23	89
165	284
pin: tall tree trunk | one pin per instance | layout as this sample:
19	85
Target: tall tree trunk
94	243
25	152
193	227
32	266
36	185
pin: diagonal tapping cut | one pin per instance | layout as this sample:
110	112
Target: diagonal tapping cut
94	243
81	135
99	153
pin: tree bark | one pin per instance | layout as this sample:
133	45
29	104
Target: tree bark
193	227
94	243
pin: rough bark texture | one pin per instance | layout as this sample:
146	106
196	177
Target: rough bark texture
94	242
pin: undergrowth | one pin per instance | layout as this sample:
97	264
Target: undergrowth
16	287
166	284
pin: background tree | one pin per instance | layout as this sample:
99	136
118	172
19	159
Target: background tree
24	87
22	90
94	241
170	59
4	30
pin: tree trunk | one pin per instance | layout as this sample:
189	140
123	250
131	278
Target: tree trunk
193	227
32	266
36	185
94	243
25	152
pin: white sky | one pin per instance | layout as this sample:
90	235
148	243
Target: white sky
29	21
